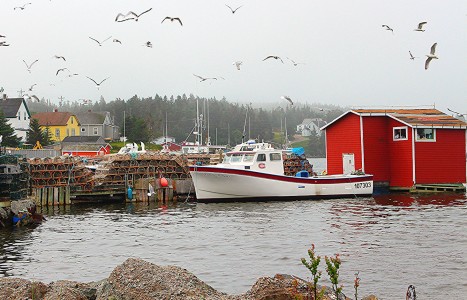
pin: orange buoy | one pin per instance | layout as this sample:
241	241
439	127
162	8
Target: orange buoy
164	182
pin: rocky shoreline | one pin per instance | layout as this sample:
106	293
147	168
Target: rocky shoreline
141	280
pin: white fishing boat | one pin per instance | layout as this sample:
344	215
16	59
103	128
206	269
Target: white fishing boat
263	173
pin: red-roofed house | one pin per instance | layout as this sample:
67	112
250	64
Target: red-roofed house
61	124
402	148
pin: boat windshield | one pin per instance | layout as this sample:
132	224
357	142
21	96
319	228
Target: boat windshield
248	157
236	157
226	159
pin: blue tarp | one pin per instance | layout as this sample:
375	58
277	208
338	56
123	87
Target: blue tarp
298	151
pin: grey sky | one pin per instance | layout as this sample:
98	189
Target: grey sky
349	58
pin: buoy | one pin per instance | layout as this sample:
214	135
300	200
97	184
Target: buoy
164	182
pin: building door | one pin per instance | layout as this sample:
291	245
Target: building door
348	162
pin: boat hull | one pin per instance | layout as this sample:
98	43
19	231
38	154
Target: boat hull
213	184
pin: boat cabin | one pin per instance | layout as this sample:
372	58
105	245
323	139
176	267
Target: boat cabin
265	161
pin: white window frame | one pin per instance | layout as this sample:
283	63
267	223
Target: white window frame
95	131
399	128
425	140
57	132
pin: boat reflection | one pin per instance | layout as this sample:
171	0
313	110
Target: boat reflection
407	199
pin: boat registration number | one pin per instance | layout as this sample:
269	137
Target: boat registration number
362	185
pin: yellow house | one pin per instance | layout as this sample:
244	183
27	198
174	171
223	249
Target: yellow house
61	124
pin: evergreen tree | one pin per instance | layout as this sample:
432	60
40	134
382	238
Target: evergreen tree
35	133
7	132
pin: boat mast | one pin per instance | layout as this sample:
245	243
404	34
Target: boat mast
244	125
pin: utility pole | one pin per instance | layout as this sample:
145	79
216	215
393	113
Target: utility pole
21	92
124	133
61	100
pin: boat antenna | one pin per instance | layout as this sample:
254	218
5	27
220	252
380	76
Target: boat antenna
244	124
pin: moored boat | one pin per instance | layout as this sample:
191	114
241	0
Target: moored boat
265	173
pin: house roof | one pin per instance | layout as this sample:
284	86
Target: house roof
83	147
55	118
10	106
419	117
91	117
96	139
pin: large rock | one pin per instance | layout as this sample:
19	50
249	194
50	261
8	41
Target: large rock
17	288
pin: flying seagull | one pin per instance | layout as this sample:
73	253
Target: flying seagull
116	41
411	56
233	10
2	36
60	57
275	57
172	19
60	70
148	44
74	74
130	16
203	78
4	44
97	84
420	27
237	64
459	115
22	7
295	63
288	99
100	43
31	87
387	28
31	97
431	56
30	66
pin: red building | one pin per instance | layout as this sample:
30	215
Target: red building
85	146
402	148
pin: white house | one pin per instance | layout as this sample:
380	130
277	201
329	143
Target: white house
309	125
17	113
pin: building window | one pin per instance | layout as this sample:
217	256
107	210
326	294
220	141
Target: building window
95	131
24	116
426	135
57	133
399	133
72	132
67	132
83	129
19	116
71	120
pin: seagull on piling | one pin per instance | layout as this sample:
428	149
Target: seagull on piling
98	84
431	56
275	57
288	99
173	19
420	27
100	43
388	28
233	10
130	16
30	66
237	64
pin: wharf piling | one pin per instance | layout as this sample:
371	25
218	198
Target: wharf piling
52	196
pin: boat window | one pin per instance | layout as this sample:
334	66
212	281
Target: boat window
248	157
236	157
261	157
226	159
274	156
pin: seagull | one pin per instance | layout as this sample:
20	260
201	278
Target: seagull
30	66
150	190
204	79
32	86
420	27
100	43
22	7
30	97
74	74
233	10
130	16
411	56
288	99
148	44
116	41
60	70
98	84
387	28
275	57
4	44
431	56
172	19
60	57
2	36
459	115
237	64
295	63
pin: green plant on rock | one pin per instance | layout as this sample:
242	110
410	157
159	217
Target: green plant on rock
332	268
312	265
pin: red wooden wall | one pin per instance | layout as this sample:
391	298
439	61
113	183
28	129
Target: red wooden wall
376	147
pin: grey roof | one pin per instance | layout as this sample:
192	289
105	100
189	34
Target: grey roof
93	139
90	117
85	147
10	106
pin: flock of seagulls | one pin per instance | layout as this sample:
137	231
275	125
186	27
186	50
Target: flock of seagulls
420	28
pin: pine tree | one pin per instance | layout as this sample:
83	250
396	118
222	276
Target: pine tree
7	132
35	133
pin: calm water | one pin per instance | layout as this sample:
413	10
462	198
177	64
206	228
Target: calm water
392	240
